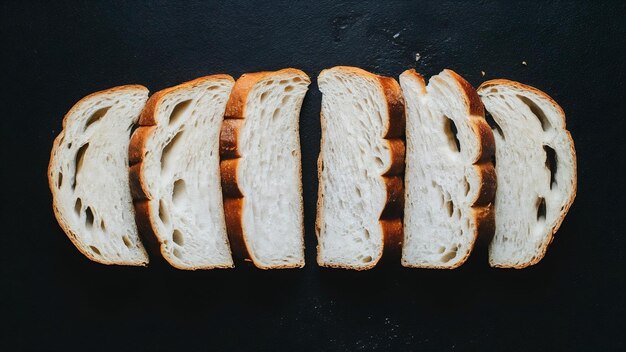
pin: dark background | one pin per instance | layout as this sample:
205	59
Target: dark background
54	53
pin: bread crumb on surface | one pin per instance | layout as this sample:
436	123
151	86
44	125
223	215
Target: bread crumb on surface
482	73
524	63
396	35
417	57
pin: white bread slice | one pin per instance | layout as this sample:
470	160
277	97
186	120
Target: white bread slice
360	167
88	176
261	168
536	166
450	178
174	173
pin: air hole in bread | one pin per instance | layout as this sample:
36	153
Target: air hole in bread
296	79
177	237
102	225
95	250
163	214
451	132
179	110
89	217
449	255
168	156
294	152
59	180
493	124
379	161
551	163
127	241
441	249
288	88
276	114
541	209
466	185
493	90
367	234
263	97
80	157
78	206
179	191
536	110
367	259
178	253
358	191
69	145
96	116
450	207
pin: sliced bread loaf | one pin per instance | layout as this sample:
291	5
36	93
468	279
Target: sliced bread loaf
360	167
88	176
261	168
174	173
450	177
536	166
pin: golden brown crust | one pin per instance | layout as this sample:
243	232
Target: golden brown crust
229	156
486	87
137	152
55	145
482	206
391	216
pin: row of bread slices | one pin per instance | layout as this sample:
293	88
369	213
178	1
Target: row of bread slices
212	174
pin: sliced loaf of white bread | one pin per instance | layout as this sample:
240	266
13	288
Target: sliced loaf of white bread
88	176
360	168
450	179
536	166
174	174
261	168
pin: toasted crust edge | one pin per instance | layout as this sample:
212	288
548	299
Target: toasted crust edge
550	236
229	156
136	151
482	207
57	213
391	218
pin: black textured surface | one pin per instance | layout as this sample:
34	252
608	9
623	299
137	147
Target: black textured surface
54	53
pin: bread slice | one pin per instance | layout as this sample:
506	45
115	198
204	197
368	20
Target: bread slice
261	168
536	166
88	176
450	178
360	167
174	173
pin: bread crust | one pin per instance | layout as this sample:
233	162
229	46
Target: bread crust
229	158
390	218
55	145
482	206
139	188
550	236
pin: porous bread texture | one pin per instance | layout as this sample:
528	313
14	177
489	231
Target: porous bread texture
175	173
261	168
536	166
88	176
361	164
450	180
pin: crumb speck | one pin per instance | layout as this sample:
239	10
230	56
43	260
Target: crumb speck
482	73
396	35
417	57
524	63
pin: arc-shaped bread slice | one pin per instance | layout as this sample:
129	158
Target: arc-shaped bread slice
261	168
536	165
450	177
174	173
360	168
88	176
